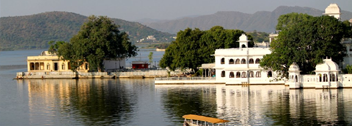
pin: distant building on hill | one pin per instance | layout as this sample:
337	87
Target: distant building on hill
151	37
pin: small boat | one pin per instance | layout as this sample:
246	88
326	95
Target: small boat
157	49
197	120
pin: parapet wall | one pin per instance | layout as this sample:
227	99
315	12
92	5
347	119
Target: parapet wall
312	81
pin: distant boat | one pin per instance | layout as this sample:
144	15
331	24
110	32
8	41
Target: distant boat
197	120
157	49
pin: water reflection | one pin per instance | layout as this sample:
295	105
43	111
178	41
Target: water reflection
139	102
278	105
259	105
89	101
180	100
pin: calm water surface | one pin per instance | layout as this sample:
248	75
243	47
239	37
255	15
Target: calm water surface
138	102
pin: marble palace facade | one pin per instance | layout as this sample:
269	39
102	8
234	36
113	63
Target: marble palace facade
237	66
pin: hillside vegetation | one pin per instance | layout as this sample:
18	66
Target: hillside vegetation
35	31
263	21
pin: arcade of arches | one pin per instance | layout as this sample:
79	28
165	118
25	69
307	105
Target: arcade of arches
241	61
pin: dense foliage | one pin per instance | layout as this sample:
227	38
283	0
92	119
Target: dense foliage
194	47
34	31
259	36
348	69
97	40
306	40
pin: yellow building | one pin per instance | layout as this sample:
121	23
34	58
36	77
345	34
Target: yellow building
47	62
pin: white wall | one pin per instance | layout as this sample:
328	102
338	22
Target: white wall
114	64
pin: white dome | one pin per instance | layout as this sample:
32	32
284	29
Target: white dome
332	9
243	38
322	67
333	66
293	67
328	65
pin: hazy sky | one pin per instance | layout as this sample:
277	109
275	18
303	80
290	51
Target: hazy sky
155	9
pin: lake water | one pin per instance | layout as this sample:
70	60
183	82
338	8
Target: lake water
138	102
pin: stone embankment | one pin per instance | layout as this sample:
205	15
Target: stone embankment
81	75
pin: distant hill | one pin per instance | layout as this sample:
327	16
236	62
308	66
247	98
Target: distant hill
263	21
35	31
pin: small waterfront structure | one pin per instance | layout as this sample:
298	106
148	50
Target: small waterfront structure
49	65
326	76
114	65
139	65
294	76
208	70
49	62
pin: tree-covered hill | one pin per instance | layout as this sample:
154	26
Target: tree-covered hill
263	21
35	31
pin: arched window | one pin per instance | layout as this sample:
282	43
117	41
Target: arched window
86	66
243	61
251	61
69	65
333	78
31	66
296	80
270	74
238	75
320	78
251	74
237	61
222	60
243	46
231	61
244	74
222	73
325	78
258	74
41	66
63	66
257	61
232	75
48	66
36	66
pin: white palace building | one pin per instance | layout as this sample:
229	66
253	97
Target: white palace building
237	66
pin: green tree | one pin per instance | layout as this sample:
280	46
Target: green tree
348	29
348	69
194	47
305	40
150	56
287	20
54	46
97	40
